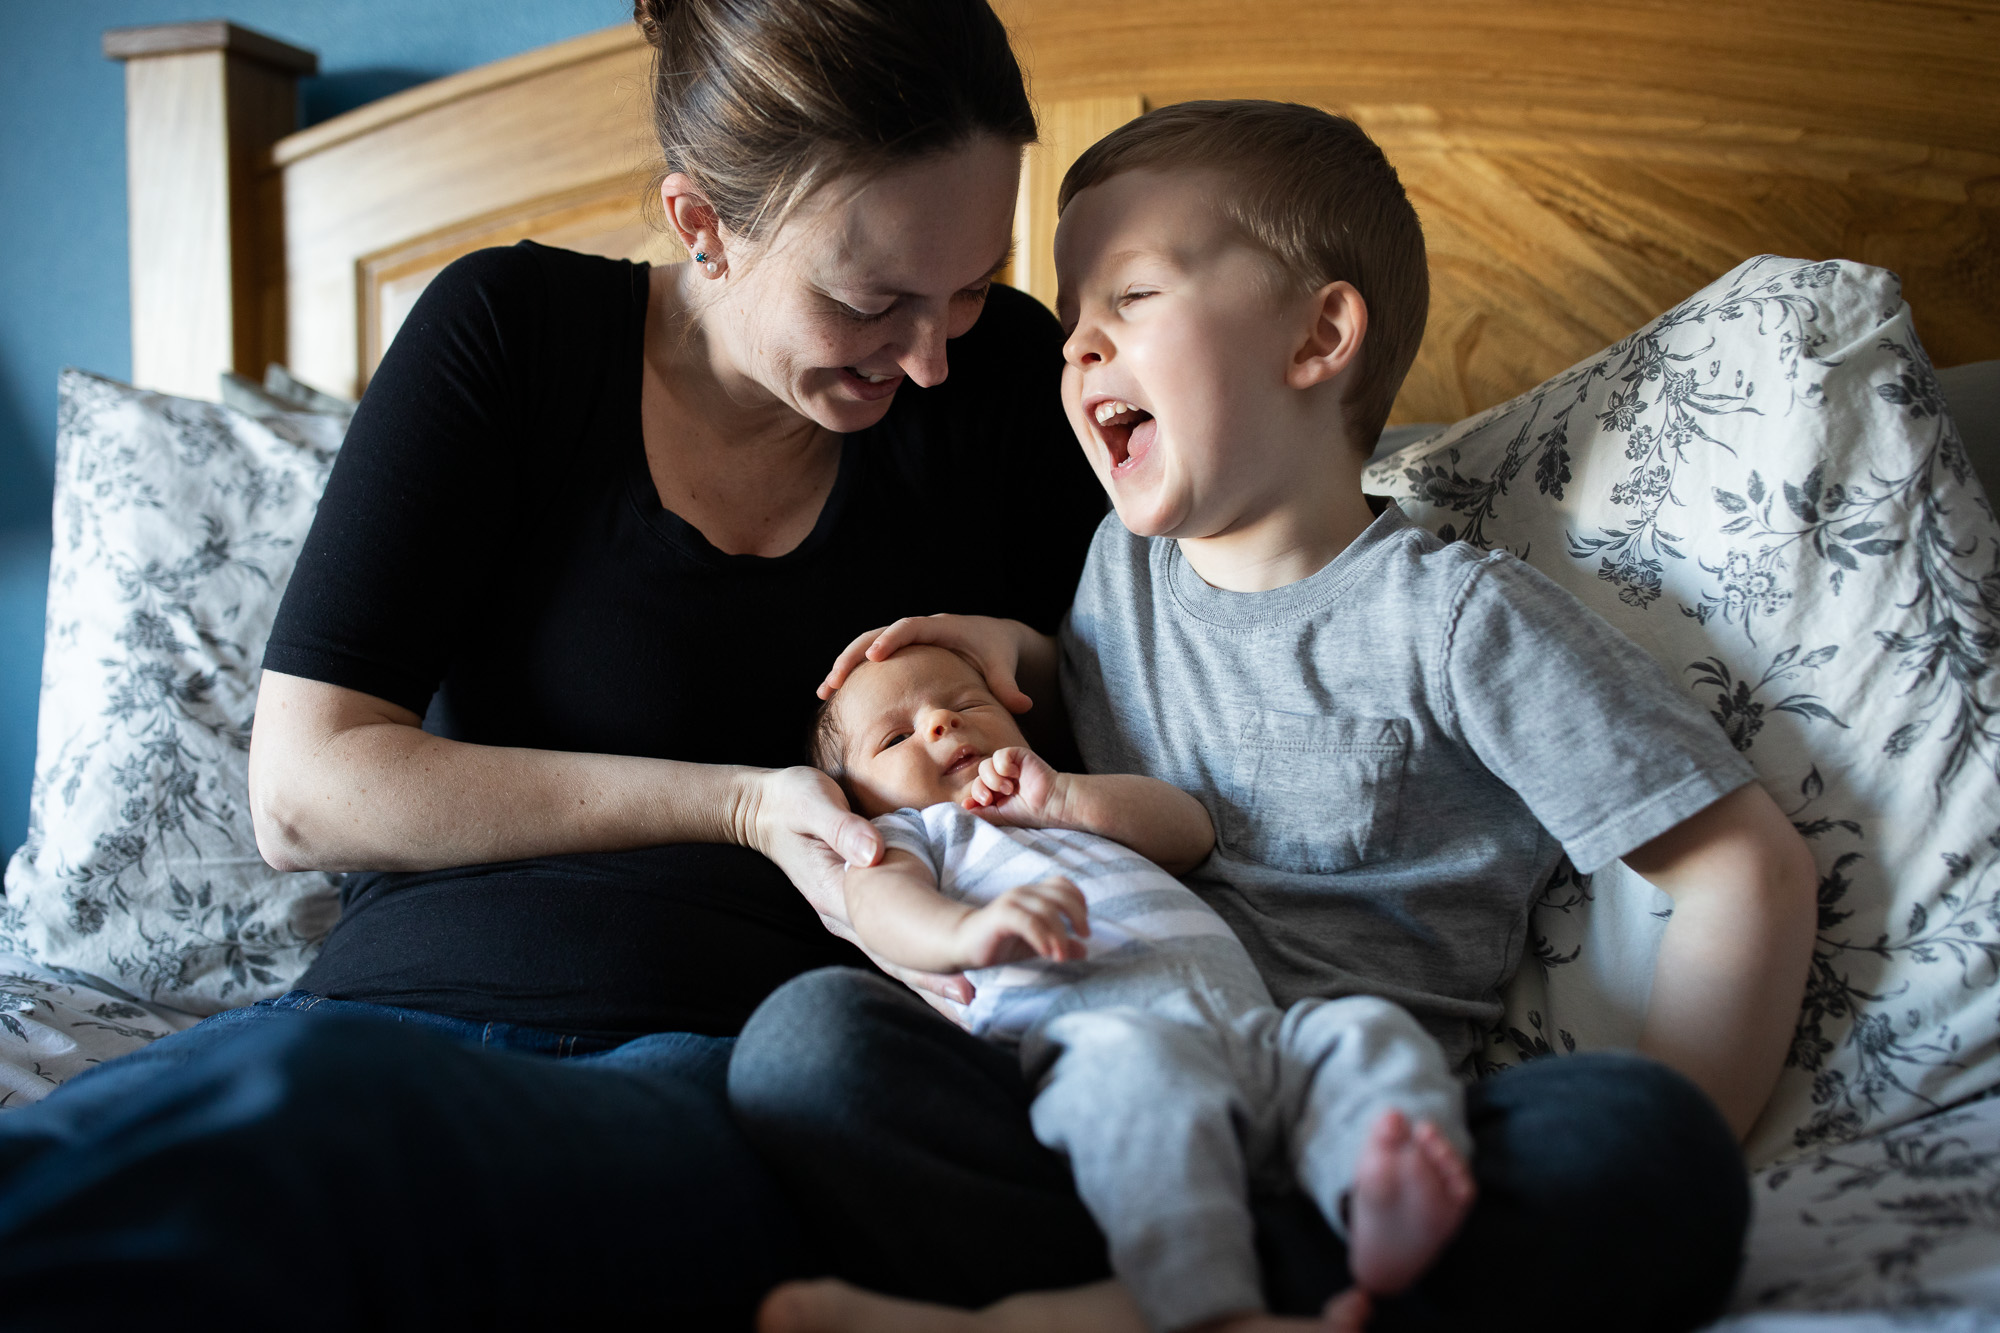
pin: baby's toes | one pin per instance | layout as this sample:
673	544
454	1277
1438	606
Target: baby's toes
1444	1160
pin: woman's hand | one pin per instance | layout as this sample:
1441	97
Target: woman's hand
798	818
997	648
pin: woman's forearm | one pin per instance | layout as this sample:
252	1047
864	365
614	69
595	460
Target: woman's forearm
341	782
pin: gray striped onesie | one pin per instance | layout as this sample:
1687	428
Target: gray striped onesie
1166	1074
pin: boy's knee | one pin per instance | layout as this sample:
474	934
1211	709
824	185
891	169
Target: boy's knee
1623	1165
814	1043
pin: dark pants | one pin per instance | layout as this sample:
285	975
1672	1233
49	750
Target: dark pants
1611	1192
322	1164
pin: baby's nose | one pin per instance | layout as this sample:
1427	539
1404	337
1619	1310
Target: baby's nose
942	723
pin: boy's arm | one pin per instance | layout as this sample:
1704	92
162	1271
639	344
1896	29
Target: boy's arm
898	914
1732	965
1155	819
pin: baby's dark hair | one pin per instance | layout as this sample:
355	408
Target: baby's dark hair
827	743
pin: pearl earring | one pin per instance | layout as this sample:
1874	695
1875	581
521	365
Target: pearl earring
701	257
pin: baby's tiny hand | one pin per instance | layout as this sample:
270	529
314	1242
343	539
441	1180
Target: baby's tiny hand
1046	918
1016	786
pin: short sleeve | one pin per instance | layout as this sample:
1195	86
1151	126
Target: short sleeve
421	491
904	831
1582	724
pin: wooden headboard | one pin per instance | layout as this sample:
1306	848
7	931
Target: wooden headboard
1577	166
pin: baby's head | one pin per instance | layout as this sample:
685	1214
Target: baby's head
910	731
1229	272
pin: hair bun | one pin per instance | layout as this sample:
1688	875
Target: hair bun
651	16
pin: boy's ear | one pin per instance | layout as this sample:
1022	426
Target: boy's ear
1338	323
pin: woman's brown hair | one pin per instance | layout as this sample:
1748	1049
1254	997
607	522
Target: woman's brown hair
761	102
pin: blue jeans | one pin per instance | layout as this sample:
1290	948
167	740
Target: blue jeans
313	1163
1611	1193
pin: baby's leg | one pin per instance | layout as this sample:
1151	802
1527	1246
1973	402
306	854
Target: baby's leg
1380	1141
1148	1111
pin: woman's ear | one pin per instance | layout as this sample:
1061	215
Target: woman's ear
1337	323
691	216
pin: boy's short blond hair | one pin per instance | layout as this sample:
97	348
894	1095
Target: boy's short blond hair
1315	193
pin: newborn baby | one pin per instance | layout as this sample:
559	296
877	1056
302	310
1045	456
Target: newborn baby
1164	1071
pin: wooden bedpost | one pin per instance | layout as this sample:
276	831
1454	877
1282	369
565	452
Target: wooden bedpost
204	102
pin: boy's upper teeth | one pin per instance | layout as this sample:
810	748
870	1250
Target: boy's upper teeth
1111	408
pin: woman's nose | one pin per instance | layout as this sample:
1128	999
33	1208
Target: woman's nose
924	361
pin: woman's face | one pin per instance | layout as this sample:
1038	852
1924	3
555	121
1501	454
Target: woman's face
858	290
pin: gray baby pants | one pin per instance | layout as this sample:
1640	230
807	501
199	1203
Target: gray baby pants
1167	1108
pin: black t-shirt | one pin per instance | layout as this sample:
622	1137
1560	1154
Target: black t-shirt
491	552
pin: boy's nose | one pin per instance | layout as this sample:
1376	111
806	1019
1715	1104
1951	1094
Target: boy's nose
1086	345
942	722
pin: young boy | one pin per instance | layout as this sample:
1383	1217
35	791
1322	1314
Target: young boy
1244	288
1139	1017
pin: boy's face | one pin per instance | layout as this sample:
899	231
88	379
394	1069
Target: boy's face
915	727
1179	340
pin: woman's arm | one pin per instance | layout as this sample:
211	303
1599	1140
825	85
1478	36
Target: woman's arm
1732	966
341	780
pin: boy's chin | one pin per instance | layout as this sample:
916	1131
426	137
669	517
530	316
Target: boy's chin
1144	520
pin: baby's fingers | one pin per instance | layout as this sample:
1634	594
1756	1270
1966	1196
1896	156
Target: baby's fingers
1070	901
995	778
1041	926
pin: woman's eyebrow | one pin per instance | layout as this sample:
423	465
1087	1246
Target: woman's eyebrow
992	274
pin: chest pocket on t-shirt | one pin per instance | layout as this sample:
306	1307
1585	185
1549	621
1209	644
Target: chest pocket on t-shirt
1315	794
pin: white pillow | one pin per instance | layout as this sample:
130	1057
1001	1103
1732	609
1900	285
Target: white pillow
1763	489
176	526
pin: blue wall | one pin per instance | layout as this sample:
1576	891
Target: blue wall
63	294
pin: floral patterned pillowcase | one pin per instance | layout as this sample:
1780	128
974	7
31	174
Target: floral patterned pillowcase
176	525
1763	489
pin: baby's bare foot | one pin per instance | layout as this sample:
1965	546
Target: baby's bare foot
1411	1191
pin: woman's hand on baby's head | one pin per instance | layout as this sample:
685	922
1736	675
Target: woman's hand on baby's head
992	646
1016	787
1045	919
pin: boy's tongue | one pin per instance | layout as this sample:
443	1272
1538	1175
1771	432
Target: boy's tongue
1138	441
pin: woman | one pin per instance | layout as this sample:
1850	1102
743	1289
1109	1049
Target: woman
605	525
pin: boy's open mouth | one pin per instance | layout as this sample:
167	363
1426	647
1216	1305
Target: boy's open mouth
1127	430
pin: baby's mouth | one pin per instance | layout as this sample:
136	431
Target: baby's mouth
1127	430
965	758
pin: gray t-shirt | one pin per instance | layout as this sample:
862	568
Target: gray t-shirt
1396	752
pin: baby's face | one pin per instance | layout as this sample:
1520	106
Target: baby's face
915	728
1179	338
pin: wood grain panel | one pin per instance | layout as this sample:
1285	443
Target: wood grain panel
204	104
1578	168
480	146
177	183
1068	128
597	220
